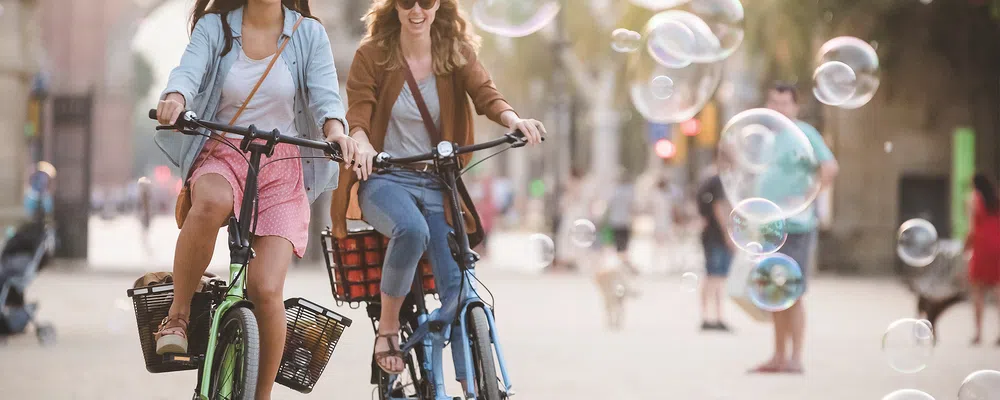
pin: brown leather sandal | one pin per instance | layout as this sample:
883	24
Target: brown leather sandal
171	337
393	351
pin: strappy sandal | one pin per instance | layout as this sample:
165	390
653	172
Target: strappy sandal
171	337
393	351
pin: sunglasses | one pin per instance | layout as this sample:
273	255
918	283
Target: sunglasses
408	4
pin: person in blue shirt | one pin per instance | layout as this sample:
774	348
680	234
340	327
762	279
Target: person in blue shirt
789	325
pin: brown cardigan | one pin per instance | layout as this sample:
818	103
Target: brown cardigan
372	90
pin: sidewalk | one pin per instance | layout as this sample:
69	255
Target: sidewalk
116	246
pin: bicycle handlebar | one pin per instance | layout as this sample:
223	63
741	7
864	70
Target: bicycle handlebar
516	139
187	122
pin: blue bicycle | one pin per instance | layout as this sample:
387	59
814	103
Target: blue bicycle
354	266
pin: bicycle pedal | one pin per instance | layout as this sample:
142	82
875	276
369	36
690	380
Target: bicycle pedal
181	359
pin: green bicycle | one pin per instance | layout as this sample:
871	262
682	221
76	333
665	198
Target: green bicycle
224	344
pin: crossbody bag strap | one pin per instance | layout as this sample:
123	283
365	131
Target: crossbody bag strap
425	114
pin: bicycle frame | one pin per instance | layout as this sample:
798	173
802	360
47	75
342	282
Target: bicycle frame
240	254
434	328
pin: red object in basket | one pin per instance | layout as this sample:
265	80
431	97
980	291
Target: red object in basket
371	242
373	258
373	273
357	293
348	244
352	260
355	276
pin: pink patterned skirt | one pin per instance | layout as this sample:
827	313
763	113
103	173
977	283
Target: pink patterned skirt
283	204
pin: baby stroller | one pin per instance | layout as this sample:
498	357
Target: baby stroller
23	255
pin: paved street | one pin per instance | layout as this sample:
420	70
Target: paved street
556	345
551	327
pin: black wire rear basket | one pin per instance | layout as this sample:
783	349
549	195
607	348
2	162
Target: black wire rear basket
151	305
313	333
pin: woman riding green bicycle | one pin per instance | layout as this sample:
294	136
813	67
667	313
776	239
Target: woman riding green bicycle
237	69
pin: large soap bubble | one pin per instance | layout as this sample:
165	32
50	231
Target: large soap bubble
693	82
763	154
514	18
832	80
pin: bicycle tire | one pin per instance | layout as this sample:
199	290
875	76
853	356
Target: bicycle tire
480	342
412	361
239	326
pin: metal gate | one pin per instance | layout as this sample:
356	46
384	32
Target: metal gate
71	155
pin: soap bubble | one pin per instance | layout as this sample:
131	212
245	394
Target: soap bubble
908	394
763	154
776	282
542	251
625	41
861	59
657	5
693	82
689	281
583	233
834	83
980	385
917	245
662	87
908	345
757	227
514	18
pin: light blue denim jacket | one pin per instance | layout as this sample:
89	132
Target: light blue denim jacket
309	57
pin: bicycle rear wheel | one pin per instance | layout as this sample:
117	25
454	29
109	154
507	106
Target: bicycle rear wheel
480	342
237	357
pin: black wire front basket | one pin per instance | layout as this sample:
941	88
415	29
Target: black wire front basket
152	303
313	333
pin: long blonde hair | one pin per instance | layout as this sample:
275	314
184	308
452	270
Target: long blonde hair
450	35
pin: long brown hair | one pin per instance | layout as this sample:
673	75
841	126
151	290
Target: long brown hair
450	34
224	7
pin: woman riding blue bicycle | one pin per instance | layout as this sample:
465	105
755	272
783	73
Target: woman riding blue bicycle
237	69
407	90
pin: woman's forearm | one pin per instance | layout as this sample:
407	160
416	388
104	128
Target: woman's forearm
508	118
333	128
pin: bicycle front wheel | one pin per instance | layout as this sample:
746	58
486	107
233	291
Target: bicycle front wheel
237	357
480	341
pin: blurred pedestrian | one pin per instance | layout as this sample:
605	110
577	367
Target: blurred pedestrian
620	213
145	212
718	248
38	203
984	243
790	324
663	201
574	208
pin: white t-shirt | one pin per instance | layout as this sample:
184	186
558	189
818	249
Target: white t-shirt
273	106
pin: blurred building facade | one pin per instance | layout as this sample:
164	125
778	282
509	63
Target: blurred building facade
20	63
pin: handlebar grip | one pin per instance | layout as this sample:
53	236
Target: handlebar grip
152	113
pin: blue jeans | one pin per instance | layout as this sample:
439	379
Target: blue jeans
408	207
718	257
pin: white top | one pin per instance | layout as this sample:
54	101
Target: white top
273	106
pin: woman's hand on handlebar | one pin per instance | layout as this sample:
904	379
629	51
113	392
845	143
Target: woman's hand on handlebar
366	160
532	129
170	108
348	147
